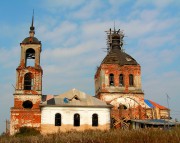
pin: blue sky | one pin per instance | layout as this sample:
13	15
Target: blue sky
73	38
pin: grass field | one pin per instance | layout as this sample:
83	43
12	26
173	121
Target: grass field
111	136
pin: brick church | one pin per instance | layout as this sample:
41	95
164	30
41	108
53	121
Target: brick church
118	83
118	98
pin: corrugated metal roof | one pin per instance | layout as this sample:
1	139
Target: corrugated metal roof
46	97
152	104
155	122
74	98
157	105
148	103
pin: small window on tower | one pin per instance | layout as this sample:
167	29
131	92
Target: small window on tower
28	81
131	80
30	57
111	79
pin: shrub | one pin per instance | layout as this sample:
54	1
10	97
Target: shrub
27	131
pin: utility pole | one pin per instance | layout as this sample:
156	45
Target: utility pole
168	109
7	127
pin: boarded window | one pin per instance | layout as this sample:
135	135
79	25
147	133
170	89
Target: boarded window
57	119
30	57
111	79
76	120
94	120
131	80
28	81
121	80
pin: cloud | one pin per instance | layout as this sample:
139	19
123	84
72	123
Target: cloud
139	28
58	34
155	41
90	9
155	3
62	5
148	15
116	3
8	57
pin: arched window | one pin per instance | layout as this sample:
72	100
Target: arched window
111	79
57	119
76	120
121	80
30	57
131	80
28	81
94	120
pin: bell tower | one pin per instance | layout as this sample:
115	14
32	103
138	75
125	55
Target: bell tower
28	89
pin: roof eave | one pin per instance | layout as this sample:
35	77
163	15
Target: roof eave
86	106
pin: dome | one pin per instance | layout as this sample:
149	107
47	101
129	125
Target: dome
31	40
117	56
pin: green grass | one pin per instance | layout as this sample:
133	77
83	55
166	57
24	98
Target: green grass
111	136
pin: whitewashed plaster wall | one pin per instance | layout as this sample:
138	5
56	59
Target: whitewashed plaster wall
67	115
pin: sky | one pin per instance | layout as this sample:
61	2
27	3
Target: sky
73	40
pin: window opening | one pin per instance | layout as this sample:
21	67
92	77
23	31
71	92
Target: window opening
28	81
27	104
131	80
94	120
57	119
30	57
111	79
121	80
76	97
121	106
76	120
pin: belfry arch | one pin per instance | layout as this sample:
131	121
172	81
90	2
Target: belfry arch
30	57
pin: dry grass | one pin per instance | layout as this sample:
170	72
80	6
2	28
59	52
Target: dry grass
112	136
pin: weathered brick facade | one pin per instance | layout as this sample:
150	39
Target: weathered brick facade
118	82
28	91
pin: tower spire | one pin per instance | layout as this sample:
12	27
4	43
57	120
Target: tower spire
32	28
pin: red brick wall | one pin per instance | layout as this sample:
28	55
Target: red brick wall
25	117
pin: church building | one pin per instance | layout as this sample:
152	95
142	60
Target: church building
118	99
